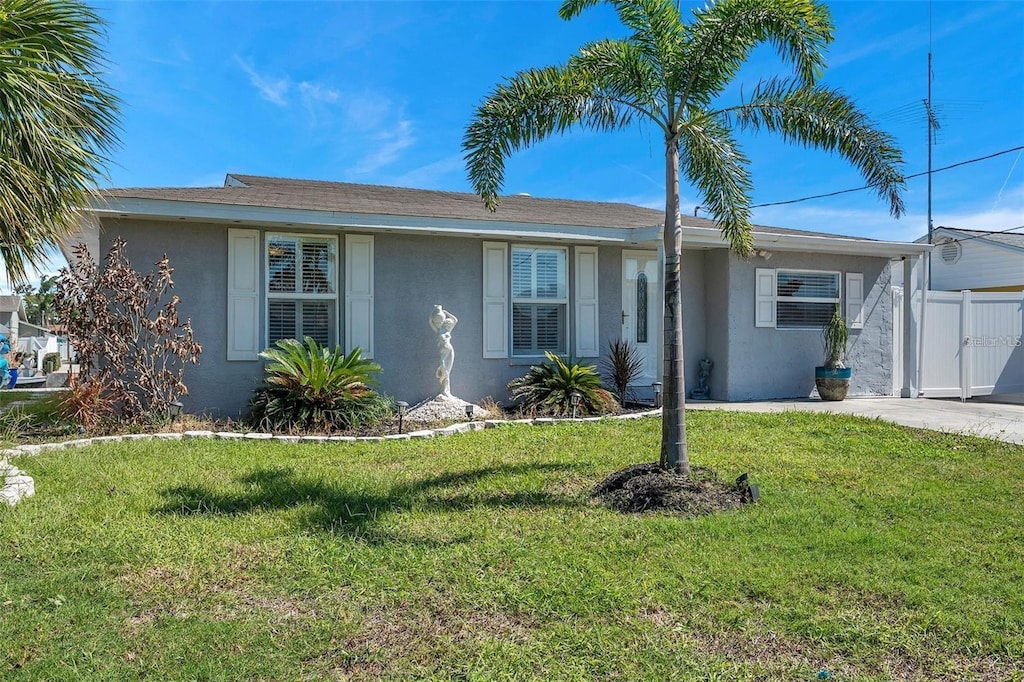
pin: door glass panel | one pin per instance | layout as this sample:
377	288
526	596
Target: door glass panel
641	308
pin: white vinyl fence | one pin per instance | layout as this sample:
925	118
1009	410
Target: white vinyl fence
972	342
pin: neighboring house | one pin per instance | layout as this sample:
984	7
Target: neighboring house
261	259
14	319
12	313
976	260
33	340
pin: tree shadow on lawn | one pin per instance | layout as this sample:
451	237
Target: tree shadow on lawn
354	512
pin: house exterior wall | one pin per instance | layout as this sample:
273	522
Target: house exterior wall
197	254
716	306
411	275
981	266
766	363
694	314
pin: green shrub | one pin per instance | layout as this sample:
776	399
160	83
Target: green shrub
548	387
311	387
51	362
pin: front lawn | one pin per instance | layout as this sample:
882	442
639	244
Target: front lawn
876	552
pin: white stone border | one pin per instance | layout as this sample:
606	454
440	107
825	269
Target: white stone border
18	484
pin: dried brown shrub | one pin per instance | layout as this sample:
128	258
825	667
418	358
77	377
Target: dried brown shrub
132	345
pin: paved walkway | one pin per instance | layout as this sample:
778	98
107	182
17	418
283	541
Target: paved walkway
1002	421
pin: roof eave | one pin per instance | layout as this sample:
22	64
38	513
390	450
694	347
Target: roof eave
160	209
693	236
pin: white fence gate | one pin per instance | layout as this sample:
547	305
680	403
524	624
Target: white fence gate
972	342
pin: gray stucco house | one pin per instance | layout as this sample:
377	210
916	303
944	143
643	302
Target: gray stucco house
262	258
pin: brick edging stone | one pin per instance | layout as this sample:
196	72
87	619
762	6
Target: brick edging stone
18	485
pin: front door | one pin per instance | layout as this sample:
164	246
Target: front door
641	321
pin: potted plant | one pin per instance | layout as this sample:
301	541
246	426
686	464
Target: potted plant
833	378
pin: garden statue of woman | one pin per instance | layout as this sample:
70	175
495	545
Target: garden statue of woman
442	322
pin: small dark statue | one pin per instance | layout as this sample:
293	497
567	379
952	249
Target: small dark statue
702	390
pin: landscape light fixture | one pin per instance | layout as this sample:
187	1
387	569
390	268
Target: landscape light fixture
469	411
402	407
656	386
574	400
174	410
749	491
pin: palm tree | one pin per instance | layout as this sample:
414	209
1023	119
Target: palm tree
39	302
57	122
672	74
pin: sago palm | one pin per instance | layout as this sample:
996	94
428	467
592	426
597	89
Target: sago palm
549	386
671	75
57	123
312	386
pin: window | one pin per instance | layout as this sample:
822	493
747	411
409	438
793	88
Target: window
539	300
302	298
804	299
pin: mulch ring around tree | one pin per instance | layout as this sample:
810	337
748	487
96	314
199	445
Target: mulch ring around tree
650	488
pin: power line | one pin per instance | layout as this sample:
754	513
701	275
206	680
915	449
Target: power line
980	235
915	175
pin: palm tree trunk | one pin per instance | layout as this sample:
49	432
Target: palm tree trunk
674	453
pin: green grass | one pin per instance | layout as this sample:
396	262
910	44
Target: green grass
25	413
877	552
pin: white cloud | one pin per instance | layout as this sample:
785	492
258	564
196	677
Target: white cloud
371	125
390	143
271	89
431	174
913	38
315	92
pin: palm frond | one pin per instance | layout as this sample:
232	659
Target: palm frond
57	124
712	160
622	74
527	108
824	118
724	33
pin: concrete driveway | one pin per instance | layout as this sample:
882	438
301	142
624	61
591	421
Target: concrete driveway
990	419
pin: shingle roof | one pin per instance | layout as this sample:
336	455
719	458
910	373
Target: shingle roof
8	304
340	197
1015	239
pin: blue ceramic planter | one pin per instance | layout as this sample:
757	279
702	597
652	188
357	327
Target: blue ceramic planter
832	384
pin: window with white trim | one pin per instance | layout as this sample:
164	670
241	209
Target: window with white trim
802	299
540	300
805	299
302	293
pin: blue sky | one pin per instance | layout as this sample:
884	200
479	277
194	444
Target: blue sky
381	92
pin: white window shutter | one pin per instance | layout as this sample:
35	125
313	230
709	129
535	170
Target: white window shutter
495	300
764	298
359	293
587	324
855	300
243	294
